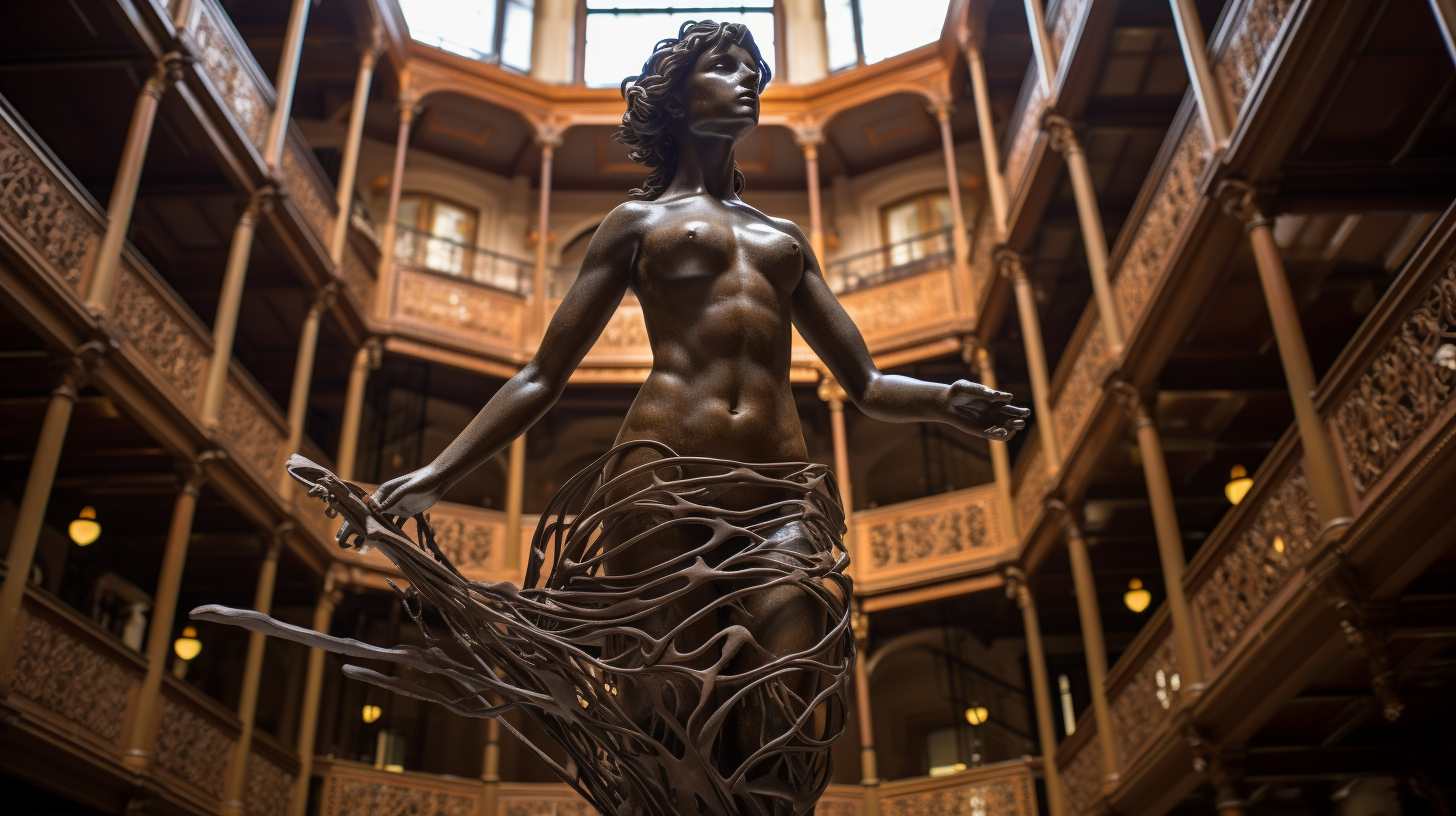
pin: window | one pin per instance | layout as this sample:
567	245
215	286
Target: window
915	228
495	31
620	34
863	32
435	234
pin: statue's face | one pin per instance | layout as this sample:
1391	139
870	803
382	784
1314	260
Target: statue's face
721	97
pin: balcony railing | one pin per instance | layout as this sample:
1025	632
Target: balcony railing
890	262
421	250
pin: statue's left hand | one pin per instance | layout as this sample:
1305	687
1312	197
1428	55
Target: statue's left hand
984	412
412	493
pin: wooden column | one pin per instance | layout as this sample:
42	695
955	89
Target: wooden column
384	288
978	357
959	244
995	183
1017	590
303	376
349	167
128	176
164	609
1195	57
1008	263
286	83
515	495
809	138
1041	44
1090	617
868	763
833	394
1089	216
323	615
366	359
30	517
1326	483
1168	533
548	138
237	774
490	766
230	299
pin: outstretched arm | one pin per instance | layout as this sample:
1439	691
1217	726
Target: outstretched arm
822	321
528	395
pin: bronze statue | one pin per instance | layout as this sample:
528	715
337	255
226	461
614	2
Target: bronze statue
690	645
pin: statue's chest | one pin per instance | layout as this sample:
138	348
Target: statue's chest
712	244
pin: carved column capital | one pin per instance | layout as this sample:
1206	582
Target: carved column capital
941	109
1242	200
1224	767
77	367
192	473
409	106
1062	134
324	298
548	135
374	347
374	45
167	72
859	622
1016	588
831	391
275	538
260	202
1366	625
1132	402
1070	519
1009	263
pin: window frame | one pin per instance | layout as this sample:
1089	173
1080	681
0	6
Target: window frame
497	40
424	225
777	9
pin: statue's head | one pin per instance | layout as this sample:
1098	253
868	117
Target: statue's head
704	83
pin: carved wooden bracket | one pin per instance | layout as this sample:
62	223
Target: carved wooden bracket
1366	625
1008	263
1224	767
1060	133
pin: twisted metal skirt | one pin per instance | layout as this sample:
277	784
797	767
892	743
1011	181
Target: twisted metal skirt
690	659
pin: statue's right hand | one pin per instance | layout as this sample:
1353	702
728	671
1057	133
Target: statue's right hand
412	493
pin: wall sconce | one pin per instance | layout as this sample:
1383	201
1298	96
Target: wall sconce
977	715
85	529
1238	484
188	646
372	713
1137	598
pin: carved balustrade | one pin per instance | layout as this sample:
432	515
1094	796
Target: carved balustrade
473	538
195	741
1002	789
1145	688
457	311
930	539
272	768
69	678
354	789
1079	764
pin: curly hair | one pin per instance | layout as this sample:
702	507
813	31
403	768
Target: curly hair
651	104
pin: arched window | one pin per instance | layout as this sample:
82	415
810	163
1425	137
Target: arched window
863	32
495	31
620	34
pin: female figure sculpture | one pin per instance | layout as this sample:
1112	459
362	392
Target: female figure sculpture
690	646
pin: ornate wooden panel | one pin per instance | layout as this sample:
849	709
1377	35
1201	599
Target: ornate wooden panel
908	303
983	267
40	210
358	280
1083	386
149	319
220	55
841	800
929	537
1082	776
305	189
459	307
251	435
269	788
1258	563
513	805
1255	29
1011	796
1036	483
1168	214
473	539
59	670
1028	130
192	746
625	334
1404	389
1147	700
1060	21
378	795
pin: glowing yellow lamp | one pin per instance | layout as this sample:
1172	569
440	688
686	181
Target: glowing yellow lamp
977	715
372	713
1137	598
1238	484
85	529
188	646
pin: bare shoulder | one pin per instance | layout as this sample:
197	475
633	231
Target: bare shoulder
784	225
623	228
